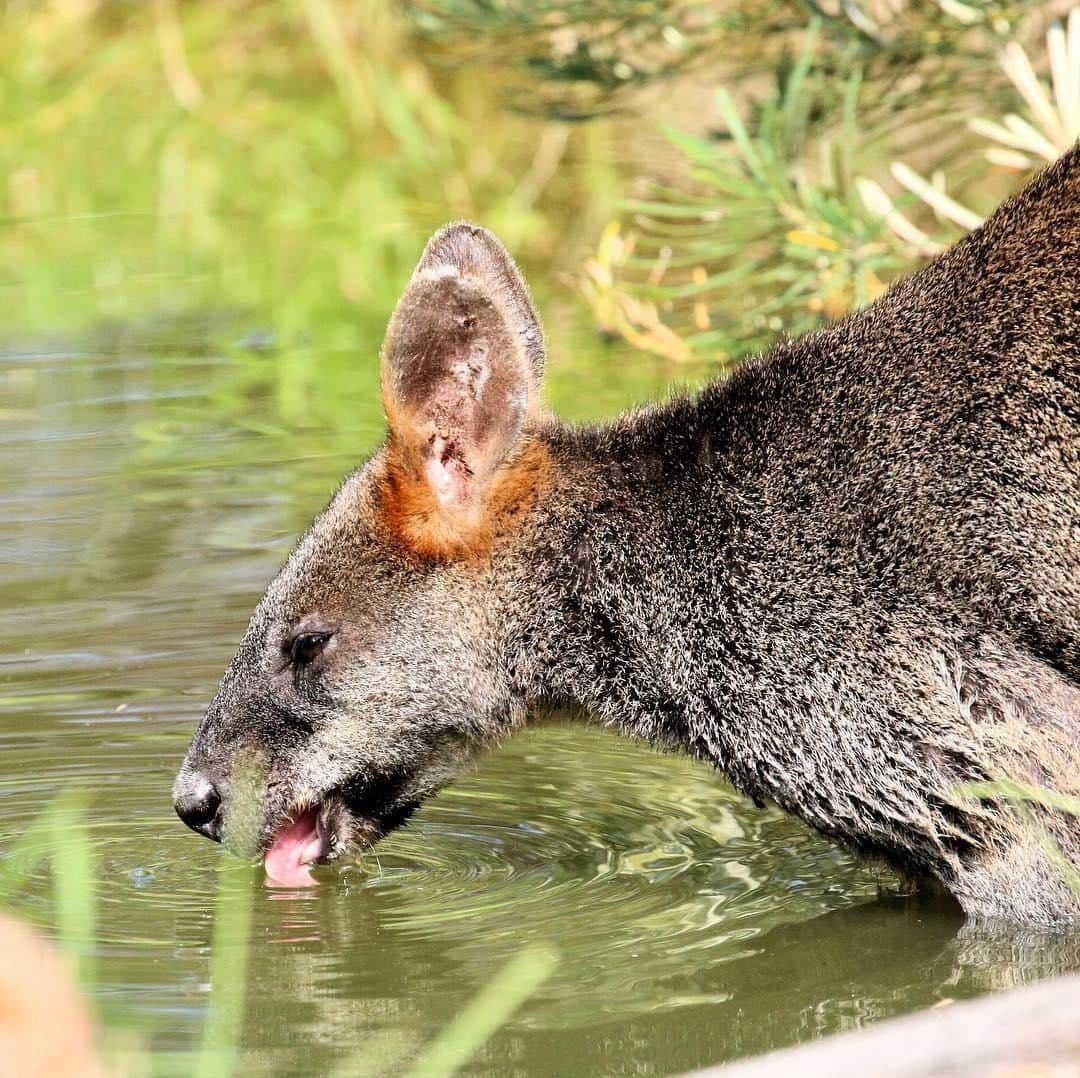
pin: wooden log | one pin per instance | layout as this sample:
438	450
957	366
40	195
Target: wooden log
1030	1032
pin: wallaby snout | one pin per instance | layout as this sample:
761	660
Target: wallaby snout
198	803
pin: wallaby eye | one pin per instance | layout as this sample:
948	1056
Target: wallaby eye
306	648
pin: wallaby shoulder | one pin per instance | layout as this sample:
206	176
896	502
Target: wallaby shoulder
924	450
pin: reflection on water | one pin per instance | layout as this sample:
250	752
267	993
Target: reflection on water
141	511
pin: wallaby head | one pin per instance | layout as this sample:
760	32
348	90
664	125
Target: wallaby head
371	669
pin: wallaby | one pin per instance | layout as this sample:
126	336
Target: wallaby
848	575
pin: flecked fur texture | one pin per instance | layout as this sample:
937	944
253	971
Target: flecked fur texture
848	575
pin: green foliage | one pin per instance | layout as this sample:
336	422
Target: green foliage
57	835
575	59
1032	803
1023	794
257	178
794	246
579	58
286	159
492	1007
777	224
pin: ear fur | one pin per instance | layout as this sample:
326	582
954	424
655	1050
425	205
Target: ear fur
461	370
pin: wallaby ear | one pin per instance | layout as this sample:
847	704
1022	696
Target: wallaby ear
461	368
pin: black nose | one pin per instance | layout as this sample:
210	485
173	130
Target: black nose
198	804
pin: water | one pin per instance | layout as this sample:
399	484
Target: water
141	512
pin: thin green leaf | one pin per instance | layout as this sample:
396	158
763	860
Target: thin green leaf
731	118
228	972
490	1008
74	872
794	105
1022	792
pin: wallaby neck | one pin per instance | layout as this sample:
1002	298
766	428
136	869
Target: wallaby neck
638	571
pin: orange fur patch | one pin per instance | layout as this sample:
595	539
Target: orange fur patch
46	1030
433	531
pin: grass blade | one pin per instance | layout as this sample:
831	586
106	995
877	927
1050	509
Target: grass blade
739	135
27	852
74	873
490	1008
228	972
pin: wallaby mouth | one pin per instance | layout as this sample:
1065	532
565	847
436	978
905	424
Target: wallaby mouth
313	835
321	833
294	847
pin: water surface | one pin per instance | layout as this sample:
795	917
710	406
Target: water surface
143	506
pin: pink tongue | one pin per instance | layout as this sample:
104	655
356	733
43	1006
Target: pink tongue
293	849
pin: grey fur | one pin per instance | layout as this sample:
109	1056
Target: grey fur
848	576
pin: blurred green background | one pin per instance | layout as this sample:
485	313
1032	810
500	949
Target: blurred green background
722	163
